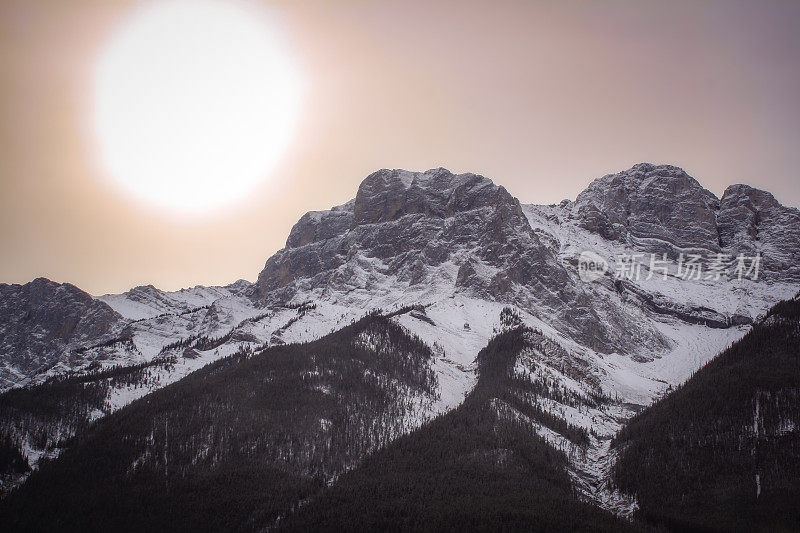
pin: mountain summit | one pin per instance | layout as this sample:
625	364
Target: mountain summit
661	208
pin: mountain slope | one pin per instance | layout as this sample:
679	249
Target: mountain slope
660	208
238	443
722	452
38	421
481	466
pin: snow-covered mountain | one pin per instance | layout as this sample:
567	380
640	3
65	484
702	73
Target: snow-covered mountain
463	248
455	259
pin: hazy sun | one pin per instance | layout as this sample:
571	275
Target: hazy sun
194	102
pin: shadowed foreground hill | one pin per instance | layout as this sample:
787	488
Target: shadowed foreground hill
475	468
723	451
236	444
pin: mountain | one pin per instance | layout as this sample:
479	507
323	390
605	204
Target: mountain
453	260
662	209
47	326
722	451
435	234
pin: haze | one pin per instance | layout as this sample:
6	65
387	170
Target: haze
541	97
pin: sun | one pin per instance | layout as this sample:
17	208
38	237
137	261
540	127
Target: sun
195	102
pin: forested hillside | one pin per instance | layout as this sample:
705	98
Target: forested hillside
722	452
238	443
481	466
39	420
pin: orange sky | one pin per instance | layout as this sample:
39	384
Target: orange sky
541	97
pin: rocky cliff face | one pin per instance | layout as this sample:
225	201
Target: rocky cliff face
43	322
441	232
752	221
660	208
650	205
450	234
410	222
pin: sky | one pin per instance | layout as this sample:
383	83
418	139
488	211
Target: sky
541	97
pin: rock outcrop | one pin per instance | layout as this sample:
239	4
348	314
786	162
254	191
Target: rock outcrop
752	221
41	322
658	207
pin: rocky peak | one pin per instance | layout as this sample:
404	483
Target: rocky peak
649	205
741	194
143	293
388	195
752	221
320	225
240	287
62	306
401	217
40	320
